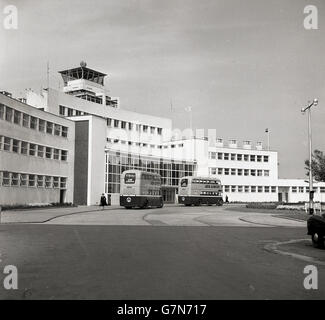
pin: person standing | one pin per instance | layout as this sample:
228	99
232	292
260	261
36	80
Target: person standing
227	200
103	202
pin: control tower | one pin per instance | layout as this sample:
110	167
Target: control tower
87	84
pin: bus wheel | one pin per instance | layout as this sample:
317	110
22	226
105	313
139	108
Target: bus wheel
187	204
127	207
161	204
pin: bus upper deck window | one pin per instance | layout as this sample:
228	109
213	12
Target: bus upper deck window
129	178
184	183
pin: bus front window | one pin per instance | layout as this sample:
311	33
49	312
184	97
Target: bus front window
129	178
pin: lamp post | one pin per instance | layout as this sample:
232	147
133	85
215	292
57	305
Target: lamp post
311	191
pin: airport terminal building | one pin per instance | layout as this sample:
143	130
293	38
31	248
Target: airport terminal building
72	146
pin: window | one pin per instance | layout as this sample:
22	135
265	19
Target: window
55	182
240	172
25	120
259	173
9	113
267	189
64	131
48	152
266	173
49	127
78	113
63	183
266	158
32	149
40	151
259	189
233	172
219	156
252	157
7	144
212	155
130	126
24	147
145	128
109	122
239	157
253	188
226	171
14	179
15	145
246	157
5	178
213	170
31	180
57	130
56	154
233	188
64	155
259	158
33	123
253	172
2	110
246	172
116	123
17	117
322	189
246	189
152	130
301	189
184	183
227	188
23	180
123	125
41	125
159	131
294	189
240	188
62	110
273	189
1	143
233	156
40	181
70	112
220	170
226	156
48	182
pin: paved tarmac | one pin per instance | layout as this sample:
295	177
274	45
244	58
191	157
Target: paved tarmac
169	253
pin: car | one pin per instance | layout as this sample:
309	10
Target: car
316	228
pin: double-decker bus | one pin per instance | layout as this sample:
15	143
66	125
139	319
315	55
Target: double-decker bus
199	190
140	189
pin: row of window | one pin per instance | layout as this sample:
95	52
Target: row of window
23	119
140	144
246	189
238	157
69	112
32	149
15	179
114	123
306	189
240	172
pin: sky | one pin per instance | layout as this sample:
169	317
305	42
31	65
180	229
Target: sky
241	65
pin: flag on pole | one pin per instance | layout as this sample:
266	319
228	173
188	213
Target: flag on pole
267	130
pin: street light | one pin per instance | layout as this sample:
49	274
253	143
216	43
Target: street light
311	191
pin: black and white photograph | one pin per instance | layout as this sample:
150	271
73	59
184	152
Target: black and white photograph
167	151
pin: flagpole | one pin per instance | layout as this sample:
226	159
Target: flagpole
268	139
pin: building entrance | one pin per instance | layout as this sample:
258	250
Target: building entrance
168	194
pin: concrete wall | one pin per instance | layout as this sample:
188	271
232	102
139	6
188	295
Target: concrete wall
20	163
